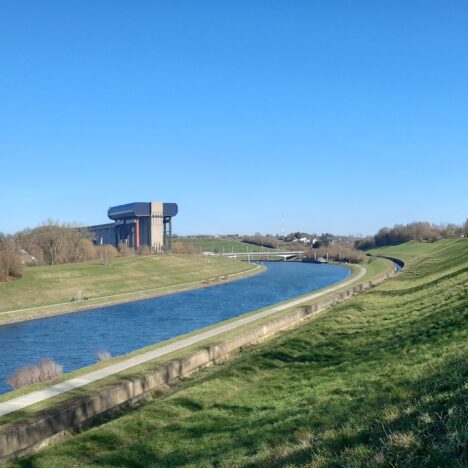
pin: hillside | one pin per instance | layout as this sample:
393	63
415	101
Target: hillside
381	379
223	245
59	283
413	250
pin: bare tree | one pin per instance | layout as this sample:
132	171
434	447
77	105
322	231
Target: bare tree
51	239
10	261
57	243
338	253
74	237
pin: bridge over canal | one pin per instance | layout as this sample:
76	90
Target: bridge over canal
266	254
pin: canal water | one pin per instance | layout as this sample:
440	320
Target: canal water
73	340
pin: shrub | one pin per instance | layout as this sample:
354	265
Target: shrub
125	250
46	370
338	253
86	250
365	243
49	370
103	355
106	253
144	250
11	264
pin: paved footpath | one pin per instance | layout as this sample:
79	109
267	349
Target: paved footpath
29	399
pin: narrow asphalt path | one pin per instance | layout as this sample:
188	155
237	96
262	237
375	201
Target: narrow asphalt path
37	396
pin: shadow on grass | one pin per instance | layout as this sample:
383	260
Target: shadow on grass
352	434
429	430
310	395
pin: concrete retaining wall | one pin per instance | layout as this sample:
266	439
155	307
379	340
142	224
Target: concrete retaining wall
24	436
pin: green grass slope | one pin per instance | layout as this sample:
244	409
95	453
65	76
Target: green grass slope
380	380
58	283
223	245
413	250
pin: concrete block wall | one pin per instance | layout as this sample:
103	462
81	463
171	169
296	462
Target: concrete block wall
24	436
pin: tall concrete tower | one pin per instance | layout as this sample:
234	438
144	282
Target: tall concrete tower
137	224
157	226
161	225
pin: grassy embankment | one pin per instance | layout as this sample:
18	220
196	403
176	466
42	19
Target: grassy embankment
378	380
409	251
128	278
222	245
374	268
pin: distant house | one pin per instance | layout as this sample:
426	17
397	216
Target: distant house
305	240
27	259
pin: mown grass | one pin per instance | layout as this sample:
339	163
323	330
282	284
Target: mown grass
59	283
223	245
378	380
410	250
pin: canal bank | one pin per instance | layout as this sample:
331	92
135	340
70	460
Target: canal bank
73	340
87	303
143	381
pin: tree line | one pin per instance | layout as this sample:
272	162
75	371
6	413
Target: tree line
336	253
11	265
51	243
265	241
418	231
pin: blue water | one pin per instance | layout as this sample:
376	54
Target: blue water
72	340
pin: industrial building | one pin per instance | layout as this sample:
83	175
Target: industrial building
137	224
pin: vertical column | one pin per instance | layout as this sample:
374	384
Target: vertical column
137	233
170	233
157	226
167	233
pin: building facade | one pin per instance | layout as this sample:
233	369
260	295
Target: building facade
138	224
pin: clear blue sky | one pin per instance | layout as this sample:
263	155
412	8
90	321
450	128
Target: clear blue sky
339	116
